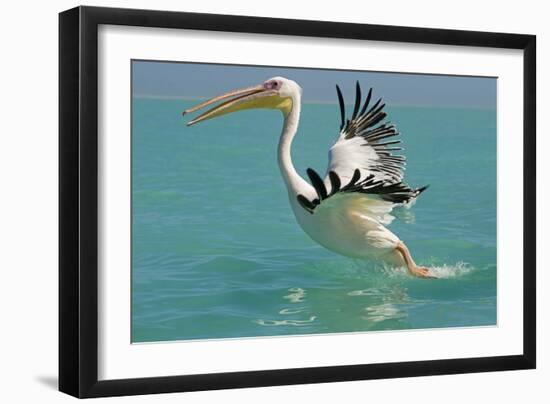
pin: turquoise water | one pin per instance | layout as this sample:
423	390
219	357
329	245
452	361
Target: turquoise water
216	251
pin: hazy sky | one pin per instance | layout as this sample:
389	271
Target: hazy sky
197	80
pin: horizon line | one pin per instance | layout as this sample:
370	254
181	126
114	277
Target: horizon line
316	102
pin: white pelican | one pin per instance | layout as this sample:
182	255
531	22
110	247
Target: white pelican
348	210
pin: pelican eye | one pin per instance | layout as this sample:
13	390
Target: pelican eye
272	85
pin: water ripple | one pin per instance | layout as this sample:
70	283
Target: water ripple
290	311
285	322
297	296
385	311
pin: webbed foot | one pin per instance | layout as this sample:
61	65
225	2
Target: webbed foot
421	272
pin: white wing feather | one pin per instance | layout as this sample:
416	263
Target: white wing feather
364	143
361	163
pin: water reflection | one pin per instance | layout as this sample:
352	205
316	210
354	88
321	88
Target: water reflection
380	300
286	322
290	311
374	305
385	311
296	295
384	303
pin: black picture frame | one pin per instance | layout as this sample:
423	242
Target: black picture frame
78	201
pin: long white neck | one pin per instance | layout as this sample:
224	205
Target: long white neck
292	179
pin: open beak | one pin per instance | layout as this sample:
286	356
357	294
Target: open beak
237	100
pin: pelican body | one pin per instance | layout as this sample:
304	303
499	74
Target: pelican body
346	212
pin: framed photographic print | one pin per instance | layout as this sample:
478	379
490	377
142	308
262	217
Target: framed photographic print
251	201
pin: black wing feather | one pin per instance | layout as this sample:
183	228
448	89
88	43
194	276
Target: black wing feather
357	100
395	193
334	182
342	107
306	203
366	105
317	183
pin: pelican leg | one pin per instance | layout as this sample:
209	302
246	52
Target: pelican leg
421	272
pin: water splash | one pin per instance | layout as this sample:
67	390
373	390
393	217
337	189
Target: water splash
443	271
452	271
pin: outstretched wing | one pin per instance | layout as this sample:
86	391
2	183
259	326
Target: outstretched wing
361	160
366	143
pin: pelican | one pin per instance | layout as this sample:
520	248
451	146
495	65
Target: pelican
346	212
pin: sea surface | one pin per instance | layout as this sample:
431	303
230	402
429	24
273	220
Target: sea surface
217	253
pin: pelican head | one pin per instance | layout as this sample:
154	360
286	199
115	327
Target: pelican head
275	93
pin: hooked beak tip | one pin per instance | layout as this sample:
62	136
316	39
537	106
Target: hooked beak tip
192	121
